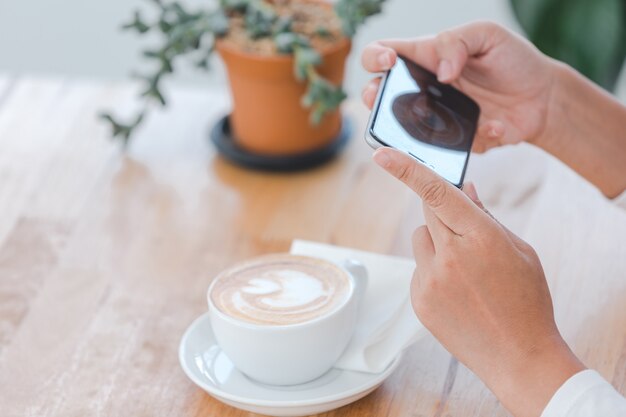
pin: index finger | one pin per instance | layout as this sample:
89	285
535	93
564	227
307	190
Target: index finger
380	56
447	202
454	46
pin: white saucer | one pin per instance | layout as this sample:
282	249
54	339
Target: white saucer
209	368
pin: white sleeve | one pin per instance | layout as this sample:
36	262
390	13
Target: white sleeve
586	394
620	200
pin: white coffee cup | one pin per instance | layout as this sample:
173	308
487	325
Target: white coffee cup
295	353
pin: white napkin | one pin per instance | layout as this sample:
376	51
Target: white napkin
386	323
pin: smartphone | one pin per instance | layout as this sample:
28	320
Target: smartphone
433	122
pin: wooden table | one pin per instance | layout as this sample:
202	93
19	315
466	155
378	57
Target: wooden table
105	257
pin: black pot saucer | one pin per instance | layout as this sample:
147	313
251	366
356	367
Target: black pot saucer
222	139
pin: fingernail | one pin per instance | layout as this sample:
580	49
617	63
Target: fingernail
384	60
382	159
495	131
445	71
470	190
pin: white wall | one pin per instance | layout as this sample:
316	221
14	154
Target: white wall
82	37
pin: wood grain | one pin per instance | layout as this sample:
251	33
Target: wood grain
105	257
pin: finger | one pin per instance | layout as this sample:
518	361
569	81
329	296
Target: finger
455	46
492	130
453	54
439	232
479	146
370	91
419	50
488	135
446	201
377	57
423	247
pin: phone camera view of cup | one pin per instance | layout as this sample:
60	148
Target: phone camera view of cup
285	319
429	121
433	122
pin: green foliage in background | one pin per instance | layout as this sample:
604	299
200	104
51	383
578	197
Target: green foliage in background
193	34
353	13
589	35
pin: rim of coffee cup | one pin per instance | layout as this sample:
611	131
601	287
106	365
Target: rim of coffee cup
274	327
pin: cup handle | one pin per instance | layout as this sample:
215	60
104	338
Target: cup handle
359	273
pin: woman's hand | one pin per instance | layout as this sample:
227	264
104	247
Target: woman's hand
508	77
482	293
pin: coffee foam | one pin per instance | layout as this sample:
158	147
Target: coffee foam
281	290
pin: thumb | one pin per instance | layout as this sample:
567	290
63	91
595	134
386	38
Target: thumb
447	202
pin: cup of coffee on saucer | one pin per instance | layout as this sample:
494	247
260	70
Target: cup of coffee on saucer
286	319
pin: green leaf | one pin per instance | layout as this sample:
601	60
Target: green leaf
152	89
235	5
148	53
138	24
588	35
283	25
259	19
286	42
204	61
322	97
354	13
305	59
218	23
308	56
323	32
122	130
162	57
154	93
530	12
165	26
178	9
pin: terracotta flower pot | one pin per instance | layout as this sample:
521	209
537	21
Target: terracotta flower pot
268	118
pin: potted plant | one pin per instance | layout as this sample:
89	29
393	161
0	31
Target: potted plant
588	35
285	63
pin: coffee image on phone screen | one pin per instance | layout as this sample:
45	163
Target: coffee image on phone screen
430	121
433	122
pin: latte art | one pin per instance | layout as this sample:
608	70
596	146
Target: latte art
281	290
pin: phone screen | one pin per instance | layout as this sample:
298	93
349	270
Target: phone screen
433	122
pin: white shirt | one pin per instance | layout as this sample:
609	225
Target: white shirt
587	394
620	200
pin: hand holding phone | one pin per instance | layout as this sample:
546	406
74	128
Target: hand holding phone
433	122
